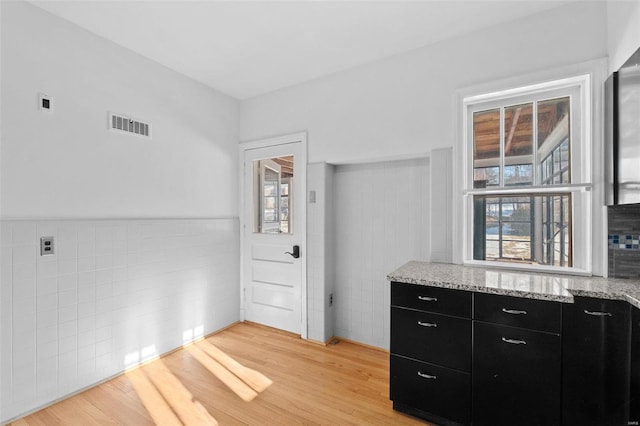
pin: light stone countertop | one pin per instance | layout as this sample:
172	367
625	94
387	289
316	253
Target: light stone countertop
556	287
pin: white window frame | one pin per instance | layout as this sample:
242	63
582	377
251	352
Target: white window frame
582	174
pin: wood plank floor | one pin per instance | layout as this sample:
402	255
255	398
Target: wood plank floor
339	384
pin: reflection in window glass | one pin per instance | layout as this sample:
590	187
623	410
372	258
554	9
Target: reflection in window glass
273	180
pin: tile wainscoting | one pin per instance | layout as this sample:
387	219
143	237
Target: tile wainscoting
114	293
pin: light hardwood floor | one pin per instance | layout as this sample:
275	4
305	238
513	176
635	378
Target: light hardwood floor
338	384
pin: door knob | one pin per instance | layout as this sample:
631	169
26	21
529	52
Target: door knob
296	252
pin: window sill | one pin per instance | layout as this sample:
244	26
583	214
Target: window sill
528	268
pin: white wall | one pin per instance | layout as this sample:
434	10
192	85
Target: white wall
623	31
166	270
67	164
381	214
404	105
320	268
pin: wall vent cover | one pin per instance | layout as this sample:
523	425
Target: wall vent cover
125	124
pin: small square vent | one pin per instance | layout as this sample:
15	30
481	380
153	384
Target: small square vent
122	123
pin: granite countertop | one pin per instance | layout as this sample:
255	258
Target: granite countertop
556	287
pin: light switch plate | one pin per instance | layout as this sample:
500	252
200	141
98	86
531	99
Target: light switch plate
45	102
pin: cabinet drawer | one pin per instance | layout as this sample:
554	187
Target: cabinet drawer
429	337
436	390
516	376
518	312
432	299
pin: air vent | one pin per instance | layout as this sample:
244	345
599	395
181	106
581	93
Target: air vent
122	123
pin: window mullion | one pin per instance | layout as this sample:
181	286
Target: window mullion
501	183
534	142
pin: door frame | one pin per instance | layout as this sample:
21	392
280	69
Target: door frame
300	217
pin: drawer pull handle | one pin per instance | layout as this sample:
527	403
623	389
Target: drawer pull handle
598	314
428	299
426	376
513	341
427	324
513	311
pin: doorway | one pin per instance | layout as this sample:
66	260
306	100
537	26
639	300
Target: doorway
273	232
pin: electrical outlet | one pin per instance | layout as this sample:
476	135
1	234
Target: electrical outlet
330	299
46	246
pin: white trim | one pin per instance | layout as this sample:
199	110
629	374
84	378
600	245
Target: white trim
300	137
274	141
533	189
383	159
589	76
527	267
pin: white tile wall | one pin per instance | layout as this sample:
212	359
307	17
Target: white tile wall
381	219
114	293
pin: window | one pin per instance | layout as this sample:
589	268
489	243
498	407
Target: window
274	178
527	177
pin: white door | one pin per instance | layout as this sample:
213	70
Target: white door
274	223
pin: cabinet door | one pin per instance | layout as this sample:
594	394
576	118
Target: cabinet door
595	362
634	412
430	391
516	376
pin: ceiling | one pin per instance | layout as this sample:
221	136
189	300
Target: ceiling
518	128
248	48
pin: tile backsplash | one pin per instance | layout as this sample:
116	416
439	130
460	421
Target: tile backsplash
624	241
114	293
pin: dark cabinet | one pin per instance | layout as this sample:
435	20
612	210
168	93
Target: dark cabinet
466	358
596	362
429	337
435	393
516	371
431	299
634	404
533	314
431	353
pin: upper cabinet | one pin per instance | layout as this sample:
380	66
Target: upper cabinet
622	129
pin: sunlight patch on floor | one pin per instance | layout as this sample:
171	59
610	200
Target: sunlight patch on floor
165	397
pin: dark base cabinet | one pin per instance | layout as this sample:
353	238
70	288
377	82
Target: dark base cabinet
634	404
516	376
421	389
596	362
468	358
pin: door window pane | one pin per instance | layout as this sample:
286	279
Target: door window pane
273	179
